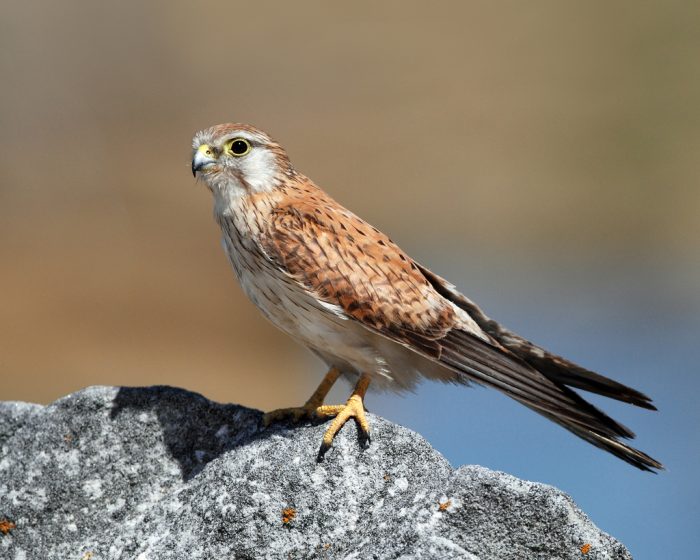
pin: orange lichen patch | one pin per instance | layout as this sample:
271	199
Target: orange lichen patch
444	505
6	526
586	548
288	514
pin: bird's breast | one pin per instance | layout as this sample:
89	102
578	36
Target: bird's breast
291	308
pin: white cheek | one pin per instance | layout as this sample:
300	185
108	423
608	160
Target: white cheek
259	169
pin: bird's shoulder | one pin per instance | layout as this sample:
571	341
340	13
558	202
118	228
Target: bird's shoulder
347	262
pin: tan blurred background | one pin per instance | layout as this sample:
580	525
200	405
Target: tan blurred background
540	132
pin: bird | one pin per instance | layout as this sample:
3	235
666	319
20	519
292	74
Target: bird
374	315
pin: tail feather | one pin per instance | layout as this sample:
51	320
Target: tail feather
554	367
538	379
621	450
566	372
525	384
480	362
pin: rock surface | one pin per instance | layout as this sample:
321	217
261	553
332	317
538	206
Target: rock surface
160	473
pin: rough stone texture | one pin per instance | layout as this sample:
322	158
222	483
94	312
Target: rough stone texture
160	473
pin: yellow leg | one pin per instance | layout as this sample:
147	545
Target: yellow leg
353	408
309	409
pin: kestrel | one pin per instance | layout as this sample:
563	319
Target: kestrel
343	289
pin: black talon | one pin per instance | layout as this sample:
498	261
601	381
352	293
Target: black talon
322	451
363	437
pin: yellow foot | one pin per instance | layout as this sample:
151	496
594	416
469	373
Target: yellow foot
354	408
307	411
295	413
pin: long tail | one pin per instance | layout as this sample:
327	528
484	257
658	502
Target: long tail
540	380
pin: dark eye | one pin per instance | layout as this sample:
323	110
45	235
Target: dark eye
239	147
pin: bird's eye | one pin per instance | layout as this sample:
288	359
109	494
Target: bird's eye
239	147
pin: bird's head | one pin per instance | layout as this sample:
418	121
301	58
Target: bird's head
238	159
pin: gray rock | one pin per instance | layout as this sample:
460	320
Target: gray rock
160	473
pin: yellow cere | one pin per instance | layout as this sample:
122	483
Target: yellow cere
205	149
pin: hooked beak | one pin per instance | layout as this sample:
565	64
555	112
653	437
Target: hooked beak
203	157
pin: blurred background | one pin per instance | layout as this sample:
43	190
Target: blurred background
543	158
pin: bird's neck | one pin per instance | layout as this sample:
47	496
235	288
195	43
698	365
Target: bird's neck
248	212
